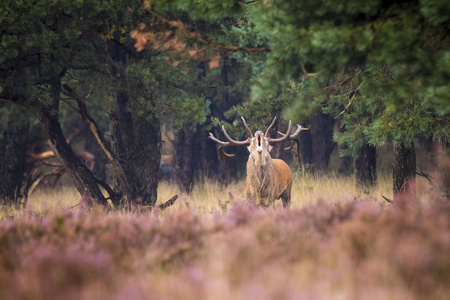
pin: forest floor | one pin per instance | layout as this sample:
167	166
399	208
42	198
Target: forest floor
335	242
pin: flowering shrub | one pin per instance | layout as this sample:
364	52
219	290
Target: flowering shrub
356	249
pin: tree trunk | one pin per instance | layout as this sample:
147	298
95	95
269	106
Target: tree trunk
404	167
82	177
209	163
100	161
135	134
305	145
366	167
278	148
136	140
13	162
186	157
346	166
322	140
226	167
444	170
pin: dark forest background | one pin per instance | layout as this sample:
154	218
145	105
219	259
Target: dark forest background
121	94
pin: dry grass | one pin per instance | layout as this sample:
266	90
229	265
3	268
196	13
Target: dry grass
307	188
211	196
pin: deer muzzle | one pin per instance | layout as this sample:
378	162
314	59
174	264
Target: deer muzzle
259	147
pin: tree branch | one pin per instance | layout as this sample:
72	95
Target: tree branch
242	49
102	142
168	203
306	73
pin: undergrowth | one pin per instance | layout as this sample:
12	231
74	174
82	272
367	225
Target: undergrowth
348	246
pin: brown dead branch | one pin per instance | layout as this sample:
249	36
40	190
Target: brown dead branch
387	199
426	176
168	203
307	73
123	182
343	82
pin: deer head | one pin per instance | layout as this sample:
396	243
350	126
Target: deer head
257	143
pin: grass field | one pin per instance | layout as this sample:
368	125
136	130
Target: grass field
335	242
210	196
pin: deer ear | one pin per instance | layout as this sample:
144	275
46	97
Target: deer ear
249	146
270	147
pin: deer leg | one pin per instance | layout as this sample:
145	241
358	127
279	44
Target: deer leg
251	197
264	202
286	198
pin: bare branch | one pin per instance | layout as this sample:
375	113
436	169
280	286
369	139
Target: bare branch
102	142
425	175
306	73
387	199
168	203
240	49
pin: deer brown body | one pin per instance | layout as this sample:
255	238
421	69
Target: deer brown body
266	184
268	179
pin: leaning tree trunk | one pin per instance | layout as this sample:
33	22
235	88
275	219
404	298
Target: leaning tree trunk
136	140
13	162
404	167
100	160
366	167
82	177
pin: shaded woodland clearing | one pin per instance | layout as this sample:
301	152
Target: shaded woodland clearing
308	185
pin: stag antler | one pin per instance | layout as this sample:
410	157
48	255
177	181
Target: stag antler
231	142
270	126
293	138
246	127
284	136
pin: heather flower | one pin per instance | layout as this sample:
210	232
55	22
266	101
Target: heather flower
350	249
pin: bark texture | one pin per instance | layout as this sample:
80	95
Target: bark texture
366	167
136	141
322	140
404	167
346	166
82	177
187	157
13	163
305	144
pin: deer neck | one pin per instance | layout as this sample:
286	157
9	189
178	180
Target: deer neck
260	167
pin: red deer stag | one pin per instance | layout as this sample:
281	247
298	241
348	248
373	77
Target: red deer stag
267	179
